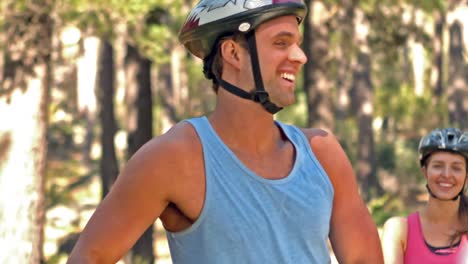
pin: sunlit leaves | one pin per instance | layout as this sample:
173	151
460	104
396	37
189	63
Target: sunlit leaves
152	24
155	43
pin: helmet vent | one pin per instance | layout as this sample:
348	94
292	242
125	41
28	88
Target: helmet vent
450	137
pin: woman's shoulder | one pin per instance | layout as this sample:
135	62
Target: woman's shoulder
396	222
396	230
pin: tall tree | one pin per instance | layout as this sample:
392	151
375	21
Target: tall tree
437	64
108	163
24	93
343	57
317	84
458	78
140	130
362	94
86	91
169	114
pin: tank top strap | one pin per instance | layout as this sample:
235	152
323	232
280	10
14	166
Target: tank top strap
208	138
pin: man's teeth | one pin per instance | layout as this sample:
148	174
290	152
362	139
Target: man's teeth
288	76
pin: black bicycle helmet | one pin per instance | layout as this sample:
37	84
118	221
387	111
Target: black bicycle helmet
445	139
212	19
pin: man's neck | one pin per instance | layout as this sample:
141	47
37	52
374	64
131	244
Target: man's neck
245	125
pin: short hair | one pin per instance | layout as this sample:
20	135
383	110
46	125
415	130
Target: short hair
215	63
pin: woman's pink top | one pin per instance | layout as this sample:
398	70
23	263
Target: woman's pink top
417	251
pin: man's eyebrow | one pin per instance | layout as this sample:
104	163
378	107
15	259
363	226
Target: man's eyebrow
287	34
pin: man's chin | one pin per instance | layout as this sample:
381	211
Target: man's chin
286	103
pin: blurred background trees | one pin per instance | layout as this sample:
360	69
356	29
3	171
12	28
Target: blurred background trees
84	84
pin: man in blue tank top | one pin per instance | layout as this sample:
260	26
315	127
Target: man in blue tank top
237	186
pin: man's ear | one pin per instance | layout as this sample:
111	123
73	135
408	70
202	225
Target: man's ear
230	52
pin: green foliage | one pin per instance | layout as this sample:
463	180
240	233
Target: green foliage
65	173
384	207
57	259
201	94
398	159
386	156
429	6
407	164
194	70
154	43
295	114
151	24
370	6
347	133
140	260
409	111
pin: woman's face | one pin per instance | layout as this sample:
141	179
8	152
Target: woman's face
445	173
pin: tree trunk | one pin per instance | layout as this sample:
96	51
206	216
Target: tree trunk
458	79
87	67
418	66
108	163
343	80
363	94
2	52
179	85
140	129
317	85
24	96
437	65
169	114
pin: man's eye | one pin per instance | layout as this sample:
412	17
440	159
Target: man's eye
280	43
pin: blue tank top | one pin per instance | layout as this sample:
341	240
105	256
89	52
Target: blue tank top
250	219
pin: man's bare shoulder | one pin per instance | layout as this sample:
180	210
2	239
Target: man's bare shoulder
178	140
315	132
331	155
320	138
169	153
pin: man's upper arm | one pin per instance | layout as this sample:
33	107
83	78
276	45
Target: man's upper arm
135	201
353	233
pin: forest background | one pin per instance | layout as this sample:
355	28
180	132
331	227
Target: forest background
85	83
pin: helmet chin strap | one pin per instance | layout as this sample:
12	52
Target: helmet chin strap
259	95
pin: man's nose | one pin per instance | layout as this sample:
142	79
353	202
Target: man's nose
298	55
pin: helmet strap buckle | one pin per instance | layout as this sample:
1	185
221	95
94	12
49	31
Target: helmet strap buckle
260	96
